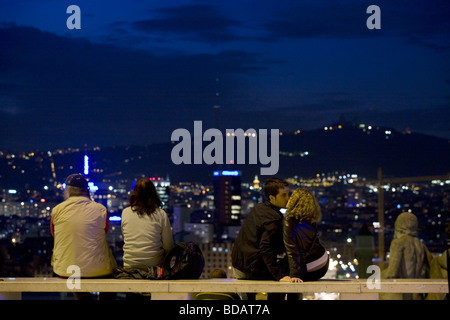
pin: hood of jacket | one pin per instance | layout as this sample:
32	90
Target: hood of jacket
406	224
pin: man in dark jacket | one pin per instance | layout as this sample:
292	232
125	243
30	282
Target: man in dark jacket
259	245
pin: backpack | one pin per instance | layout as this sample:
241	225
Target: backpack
184	261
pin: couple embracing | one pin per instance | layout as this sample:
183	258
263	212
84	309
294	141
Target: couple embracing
272	247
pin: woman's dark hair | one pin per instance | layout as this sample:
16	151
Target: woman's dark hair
144	198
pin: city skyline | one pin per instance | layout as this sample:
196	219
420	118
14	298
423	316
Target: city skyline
131	74
134	73
347	202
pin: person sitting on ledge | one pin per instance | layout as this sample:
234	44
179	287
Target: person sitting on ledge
79	226
409	257
308	259
258	252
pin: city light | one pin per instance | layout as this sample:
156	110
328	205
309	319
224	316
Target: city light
234	173
345	208
92	187
86	165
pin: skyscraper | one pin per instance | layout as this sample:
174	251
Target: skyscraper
162	187
227	201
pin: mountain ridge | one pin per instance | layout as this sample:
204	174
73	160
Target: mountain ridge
339	148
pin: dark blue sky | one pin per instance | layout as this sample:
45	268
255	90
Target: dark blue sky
137	70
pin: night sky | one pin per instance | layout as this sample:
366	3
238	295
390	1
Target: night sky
138	69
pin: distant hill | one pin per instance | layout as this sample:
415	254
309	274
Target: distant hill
344	147
356	149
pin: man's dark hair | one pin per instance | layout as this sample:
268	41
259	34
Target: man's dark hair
72	191
273	186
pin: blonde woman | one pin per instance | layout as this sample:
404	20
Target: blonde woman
308	259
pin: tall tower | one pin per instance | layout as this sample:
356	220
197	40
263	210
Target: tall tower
217	106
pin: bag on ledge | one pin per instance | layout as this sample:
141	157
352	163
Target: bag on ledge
184	261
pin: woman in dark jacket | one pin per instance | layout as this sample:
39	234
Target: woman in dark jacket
308	259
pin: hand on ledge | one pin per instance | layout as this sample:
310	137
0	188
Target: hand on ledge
289	279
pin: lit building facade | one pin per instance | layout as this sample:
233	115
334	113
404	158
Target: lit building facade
227	201
217	256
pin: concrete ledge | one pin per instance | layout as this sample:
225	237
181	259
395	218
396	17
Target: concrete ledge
408	286
233	285
9	285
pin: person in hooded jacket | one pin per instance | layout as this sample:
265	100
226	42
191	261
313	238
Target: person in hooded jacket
408	256
308	259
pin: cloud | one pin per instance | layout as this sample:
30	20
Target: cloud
157	72
302	20
69	91
423	23
203	23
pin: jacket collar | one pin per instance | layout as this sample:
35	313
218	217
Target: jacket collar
277	209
